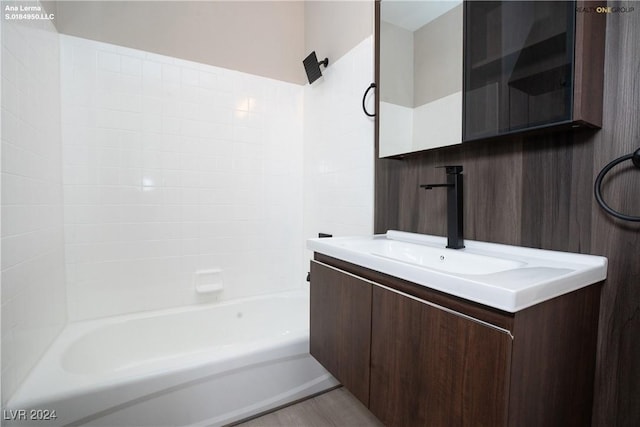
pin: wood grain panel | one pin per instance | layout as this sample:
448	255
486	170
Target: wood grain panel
554	353
589	61
340	327
556	185
492	196
431	368
618	371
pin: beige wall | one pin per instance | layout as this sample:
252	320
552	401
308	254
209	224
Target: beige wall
333	28
257	37
396	65
265	38
438	57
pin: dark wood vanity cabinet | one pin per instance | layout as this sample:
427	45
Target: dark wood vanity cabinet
418	357
432	367
341	327
531	65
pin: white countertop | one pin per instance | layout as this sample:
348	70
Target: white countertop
505	277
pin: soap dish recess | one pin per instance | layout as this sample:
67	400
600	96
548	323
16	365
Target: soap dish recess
206	282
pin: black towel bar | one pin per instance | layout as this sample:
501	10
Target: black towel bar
635	158
364	97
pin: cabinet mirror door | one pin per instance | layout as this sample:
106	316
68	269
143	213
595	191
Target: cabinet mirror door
519	59
420	81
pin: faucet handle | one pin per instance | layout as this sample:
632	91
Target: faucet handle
452	170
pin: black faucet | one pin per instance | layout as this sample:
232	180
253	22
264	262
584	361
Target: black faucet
454	205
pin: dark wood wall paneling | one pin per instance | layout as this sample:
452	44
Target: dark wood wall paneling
537	191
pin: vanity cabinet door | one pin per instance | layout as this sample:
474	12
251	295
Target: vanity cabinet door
432	367
340	327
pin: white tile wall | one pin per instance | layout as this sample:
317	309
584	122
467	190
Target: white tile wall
339	148
33	303
172	167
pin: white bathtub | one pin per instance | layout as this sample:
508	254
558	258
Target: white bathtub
195	366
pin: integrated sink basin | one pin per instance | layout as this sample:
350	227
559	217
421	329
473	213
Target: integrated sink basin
505	277
448	260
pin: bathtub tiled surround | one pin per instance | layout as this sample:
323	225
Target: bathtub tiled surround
33	283
171	167
338	148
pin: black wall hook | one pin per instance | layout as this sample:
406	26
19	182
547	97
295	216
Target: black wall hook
364	107
635	159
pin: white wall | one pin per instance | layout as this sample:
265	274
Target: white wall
339	148
396	130
438	123
33	285
172	167
434	124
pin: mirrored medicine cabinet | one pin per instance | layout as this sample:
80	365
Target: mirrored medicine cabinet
449	71
420	75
